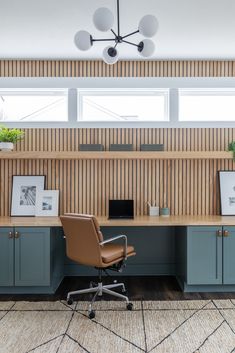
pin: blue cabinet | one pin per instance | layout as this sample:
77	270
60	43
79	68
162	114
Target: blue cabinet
229	255
204	255
205	258
6	257
32	256
31	259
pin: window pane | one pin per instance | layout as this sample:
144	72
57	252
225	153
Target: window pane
33	105
130	106
213	105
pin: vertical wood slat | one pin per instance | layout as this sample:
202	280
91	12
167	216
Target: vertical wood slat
186	186
69	68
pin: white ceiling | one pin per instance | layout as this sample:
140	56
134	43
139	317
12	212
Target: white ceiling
188	29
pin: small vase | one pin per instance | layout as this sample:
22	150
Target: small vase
6	146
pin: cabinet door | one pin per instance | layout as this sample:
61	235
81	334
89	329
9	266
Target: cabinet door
32	256
229	255
204	255
6	257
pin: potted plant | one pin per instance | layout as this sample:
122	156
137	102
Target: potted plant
231	147
8	137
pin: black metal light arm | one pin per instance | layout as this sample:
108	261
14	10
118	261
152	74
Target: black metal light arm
103	40
113	33
130	34
136	45
118	18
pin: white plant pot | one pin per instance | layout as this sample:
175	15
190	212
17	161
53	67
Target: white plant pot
6	146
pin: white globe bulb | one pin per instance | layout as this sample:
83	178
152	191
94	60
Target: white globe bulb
110	55
146	48
83	40
148	26
103	19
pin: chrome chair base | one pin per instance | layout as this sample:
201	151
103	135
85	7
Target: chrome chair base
99	289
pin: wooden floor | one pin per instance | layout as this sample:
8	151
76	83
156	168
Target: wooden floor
139	288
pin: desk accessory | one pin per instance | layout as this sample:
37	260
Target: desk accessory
152	147
121	147
164	212
25	189
153	210
91	147
9	137
121	209
47	203
227	193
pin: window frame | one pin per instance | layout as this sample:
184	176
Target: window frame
93	83
211	92
63	92
123	92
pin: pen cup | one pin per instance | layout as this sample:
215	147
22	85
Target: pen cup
165	212
153	211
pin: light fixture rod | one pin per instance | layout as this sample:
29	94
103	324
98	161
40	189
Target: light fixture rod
113	33
118	18
103	40
136	45
131	34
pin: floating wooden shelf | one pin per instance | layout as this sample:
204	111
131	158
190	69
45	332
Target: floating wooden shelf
47	155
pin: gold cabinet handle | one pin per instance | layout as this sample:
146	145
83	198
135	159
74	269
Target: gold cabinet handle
17	235
219	233
226	233
10	235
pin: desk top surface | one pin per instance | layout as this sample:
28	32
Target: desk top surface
138	221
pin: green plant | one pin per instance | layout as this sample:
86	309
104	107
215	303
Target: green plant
10	135
231	147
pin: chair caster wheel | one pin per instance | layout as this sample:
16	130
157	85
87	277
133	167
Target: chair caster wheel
129	306
70	301
92	284
91	314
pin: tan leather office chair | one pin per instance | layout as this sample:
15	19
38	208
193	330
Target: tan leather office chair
85	245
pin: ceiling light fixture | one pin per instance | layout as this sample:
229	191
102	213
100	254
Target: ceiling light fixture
103	20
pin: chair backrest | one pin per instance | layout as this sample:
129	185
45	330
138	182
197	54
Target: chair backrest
83	236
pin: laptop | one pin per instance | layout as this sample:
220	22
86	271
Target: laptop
121	209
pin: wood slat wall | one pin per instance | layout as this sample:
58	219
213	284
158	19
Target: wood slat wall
60	68
186	186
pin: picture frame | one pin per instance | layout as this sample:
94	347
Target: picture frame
227	193
25	189
47	203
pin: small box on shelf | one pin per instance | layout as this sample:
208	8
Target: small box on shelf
152	147
91	147
121	147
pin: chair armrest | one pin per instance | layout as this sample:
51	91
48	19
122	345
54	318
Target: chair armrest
122	236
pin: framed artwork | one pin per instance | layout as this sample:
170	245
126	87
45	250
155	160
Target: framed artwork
47	203
227	193
25	189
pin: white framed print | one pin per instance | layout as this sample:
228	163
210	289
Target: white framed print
47	203
227	192
25	189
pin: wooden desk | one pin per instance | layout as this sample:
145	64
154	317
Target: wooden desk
199	250
138	221
147	221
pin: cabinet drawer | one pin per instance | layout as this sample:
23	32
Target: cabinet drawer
229	255
6	257
204	255
32	256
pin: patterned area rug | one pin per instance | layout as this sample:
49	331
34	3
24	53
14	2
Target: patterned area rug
199	326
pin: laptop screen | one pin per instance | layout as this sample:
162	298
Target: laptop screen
121	209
